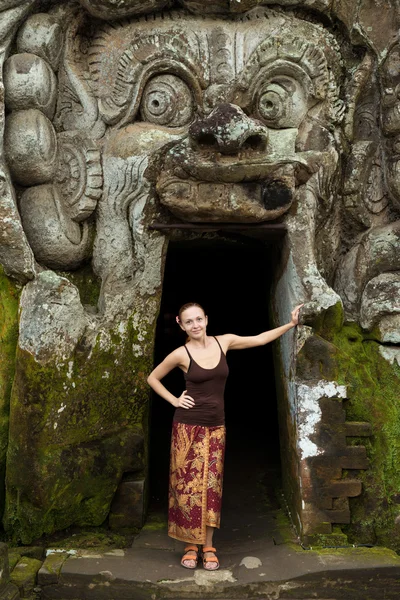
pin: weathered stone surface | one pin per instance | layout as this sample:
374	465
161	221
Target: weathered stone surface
377	252
56	240
79	175
9	295
24	575
4	566
15	253
29	82
41	34
127	508
111	9
53	302
50	570
10	592
212	116
13	557
372	388
30	144
37	552
61	412
380	307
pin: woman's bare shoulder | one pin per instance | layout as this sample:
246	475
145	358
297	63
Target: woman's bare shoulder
177	356
225	341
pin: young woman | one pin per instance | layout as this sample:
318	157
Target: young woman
198	432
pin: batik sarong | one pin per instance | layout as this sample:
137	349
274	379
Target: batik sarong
195	483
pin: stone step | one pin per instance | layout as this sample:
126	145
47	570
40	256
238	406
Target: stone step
284	571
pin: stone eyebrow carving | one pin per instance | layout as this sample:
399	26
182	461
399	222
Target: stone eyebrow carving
303	60
151	54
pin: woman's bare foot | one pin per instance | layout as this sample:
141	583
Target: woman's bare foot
187	561
210	560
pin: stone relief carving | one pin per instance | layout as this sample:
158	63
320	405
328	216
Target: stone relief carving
238	117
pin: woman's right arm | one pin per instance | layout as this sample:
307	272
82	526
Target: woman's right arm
154	380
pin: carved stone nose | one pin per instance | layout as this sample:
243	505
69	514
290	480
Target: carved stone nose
228	130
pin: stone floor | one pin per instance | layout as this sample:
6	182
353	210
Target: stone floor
259	553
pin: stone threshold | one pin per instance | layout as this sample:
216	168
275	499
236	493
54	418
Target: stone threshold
276	572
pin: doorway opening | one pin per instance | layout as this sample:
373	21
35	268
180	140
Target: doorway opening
231	278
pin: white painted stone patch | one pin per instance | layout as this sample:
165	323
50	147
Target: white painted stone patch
251	562
309	412
210	578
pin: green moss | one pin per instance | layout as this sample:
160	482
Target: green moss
156	522
13	557
329	321
86	282
74	433
384	555
54	562
285	528
92	538
9	299
373	386
328	540
24	575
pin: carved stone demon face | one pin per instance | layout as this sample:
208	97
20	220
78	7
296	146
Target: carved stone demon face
220	119
241	110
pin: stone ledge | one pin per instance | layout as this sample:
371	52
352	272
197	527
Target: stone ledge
282	572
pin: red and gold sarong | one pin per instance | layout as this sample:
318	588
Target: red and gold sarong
195	482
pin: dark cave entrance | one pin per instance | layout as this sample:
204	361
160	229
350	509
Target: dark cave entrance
232	279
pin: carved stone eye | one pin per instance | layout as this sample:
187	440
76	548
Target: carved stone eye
281	103
167	101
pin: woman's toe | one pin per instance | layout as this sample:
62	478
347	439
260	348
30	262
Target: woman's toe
189	563
211	565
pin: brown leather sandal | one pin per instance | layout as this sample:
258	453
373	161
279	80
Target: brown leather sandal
190	556
207	559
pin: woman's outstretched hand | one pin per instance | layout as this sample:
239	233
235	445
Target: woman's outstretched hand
184	401
295	314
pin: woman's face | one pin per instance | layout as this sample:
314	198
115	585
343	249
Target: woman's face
193	321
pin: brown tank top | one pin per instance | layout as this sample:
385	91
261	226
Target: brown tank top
206	387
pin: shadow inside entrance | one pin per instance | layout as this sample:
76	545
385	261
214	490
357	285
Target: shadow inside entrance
232	281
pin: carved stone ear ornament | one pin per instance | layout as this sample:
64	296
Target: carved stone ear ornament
56	240
79	174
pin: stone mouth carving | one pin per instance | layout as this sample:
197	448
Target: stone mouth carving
249	186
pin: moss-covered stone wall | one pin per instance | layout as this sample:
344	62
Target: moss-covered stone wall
373	388
9	294
76	428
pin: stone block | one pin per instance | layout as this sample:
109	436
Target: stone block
51	568
10	592
355	457
37	552
4	568
357	429
24	575
13	557
127	509
338	516
344	488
